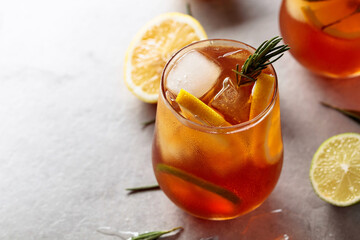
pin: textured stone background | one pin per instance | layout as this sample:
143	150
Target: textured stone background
71	136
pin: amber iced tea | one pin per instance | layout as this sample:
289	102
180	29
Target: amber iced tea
324	35
216	172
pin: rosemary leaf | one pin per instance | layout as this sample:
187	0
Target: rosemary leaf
155	234
237	74
188	9
143	188
250	79
353	114
148	123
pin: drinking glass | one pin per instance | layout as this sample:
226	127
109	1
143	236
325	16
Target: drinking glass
324	36
216	172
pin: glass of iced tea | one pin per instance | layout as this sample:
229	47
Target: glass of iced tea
324	35
217	149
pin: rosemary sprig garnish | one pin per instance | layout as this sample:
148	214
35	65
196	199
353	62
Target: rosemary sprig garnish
258	61
143	188
353	114
155	234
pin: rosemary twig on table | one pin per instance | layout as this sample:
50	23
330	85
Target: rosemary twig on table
188	9
259	60
154	235
353	114
143	188
148	123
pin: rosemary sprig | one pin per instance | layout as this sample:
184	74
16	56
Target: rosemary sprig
258	61
143	188
155	234
353	114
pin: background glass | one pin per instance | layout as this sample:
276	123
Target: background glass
324	36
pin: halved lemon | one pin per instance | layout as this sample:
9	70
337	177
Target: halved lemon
335	170
337	18
151	48
195	110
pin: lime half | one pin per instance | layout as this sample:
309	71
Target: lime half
335	170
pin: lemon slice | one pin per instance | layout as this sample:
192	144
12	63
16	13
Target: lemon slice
261	94
344	26
194	109
152	46
335	170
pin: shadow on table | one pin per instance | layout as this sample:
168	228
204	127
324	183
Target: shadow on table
149	115
266	222
219	13
343	93
346	224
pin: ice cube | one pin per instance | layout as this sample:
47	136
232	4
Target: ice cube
233	102
194	73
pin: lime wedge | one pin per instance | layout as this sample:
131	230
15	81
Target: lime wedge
335	170
222	192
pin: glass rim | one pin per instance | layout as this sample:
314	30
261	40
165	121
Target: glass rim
217	129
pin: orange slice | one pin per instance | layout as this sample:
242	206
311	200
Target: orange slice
152	46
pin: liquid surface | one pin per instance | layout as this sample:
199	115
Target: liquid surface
224	93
